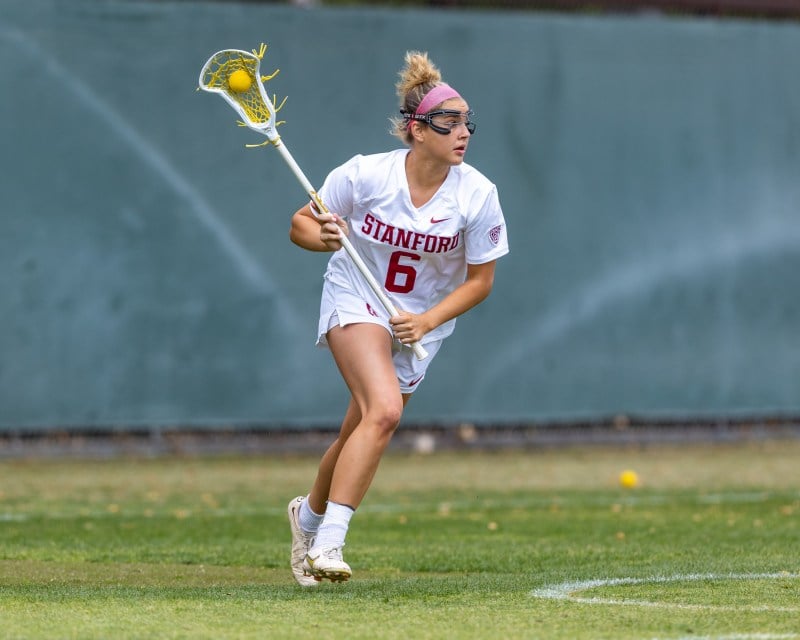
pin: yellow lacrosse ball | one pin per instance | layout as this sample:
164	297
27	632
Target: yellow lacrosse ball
629	479
239	81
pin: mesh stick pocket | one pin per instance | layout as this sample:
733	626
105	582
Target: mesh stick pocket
252	104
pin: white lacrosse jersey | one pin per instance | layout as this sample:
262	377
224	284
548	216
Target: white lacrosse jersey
418	255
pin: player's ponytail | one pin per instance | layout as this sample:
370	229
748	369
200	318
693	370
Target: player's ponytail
417	78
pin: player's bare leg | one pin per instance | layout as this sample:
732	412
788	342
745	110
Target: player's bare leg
364	357
318	497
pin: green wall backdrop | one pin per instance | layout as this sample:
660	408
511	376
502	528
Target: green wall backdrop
648	167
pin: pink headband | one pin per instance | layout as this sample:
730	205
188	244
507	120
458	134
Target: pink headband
437	95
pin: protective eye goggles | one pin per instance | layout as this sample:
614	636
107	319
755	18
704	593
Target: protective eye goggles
443	121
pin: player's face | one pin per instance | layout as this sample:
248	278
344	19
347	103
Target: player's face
450	128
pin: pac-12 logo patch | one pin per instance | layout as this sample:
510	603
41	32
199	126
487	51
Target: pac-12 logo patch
495	233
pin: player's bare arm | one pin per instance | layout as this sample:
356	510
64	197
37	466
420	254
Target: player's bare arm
317	233
410	327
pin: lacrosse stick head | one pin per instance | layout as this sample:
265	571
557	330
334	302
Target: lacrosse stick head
250	100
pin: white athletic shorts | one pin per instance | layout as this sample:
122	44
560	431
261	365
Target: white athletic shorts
342	306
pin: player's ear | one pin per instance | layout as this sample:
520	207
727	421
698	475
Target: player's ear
417	131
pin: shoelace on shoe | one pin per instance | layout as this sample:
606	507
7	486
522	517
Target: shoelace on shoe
333	553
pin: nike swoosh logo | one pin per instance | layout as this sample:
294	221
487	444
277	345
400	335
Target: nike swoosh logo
434	220
413	382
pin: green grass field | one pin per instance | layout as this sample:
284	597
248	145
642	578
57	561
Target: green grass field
452	545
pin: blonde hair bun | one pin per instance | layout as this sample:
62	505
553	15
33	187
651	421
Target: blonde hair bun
417	78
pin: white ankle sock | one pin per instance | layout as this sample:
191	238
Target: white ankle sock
332	531
309	521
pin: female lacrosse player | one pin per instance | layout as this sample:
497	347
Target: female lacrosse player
430	227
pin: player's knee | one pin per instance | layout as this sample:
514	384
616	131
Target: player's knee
386	416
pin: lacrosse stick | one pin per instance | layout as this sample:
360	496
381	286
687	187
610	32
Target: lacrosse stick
249	98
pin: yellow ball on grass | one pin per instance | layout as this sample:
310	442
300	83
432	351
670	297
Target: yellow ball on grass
239	81
629	479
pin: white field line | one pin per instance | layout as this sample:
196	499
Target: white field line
738	636
571	591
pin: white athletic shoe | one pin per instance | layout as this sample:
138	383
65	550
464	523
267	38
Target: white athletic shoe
327	564
301	543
